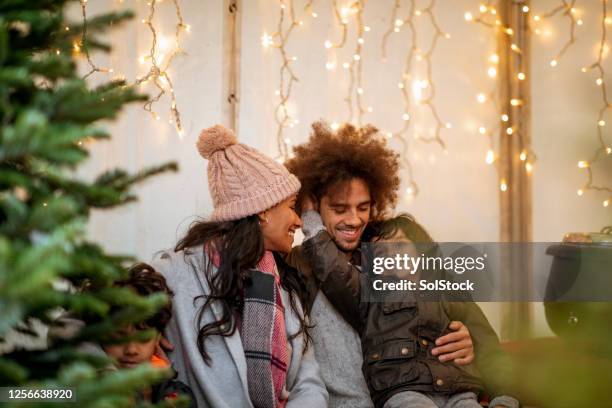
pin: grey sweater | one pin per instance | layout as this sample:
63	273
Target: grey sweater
223	384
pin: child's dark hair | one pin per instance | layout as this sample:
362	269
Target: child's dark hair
386	229
145	280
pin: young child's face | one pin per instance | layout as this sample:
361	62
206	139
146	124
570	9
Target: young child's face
129	355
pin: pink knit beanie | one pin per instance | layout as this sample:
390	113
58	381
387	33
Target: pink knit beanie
241	180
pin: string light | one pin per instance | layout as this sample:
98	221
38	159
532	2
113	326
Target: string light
92	66
602	149
159	63
158	72
415	89
566	8
287	76
356	64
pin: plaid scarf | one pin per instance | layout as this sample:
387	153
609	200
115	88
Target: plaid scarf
262	330
263	335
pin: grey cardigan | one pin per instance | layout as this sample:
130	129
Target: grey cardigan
223	384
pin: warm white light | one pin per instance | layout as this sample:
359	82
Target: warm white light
608	150
599	81
523	156
346	65
406	116
370	109
509	31
335	126
409	191
360	91
580	192
579	22
294	58
536	18
504	117
418	13
328	44
492	72
509	131
482	130
400	85
528	167
525	9
482	8
314	15
356	57
554	63
396	29
515	48
521	76
329	66
399	23
367	28
266	40
583	164
360	40
606	203
516	102
490	157
481	98
608	20
468	16
448	125
602	123
494	58
503	186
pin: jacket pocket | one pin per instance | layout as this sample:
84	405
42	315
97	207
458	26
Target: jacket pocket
391	308
388	364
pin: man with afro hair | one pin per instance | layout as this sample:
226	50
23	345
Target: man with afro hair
349	177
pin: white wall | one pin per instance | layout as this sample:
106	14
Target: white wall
459	192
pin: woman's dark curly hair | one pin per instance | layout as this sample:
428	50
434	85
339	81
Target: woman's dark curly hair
329	158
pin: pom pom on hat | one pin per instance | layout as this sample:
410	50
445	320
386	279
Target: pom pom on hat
214	139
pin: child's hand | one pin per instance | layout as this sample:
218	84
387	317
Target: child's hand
162	346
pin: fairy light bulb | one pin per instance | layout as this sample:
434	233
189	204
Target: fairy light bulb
490	157
503	186
482	8
521	76
329	66
599	81
481	98
608	150
515	102
400	85
523	156
494	58
554	63
492	72
468	16
328	44
509	31
583	164
266	40
606	203
482	130
580	192
406	116
528	167
335	126
504	118
346	65
601	123
509	130
579	22
525	9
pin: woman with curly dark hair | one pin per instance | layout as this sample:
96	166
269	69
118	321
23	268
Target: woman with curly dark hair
349	178
238	328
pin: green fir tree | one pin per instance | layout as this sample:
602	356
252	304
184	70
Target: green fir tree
47	264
